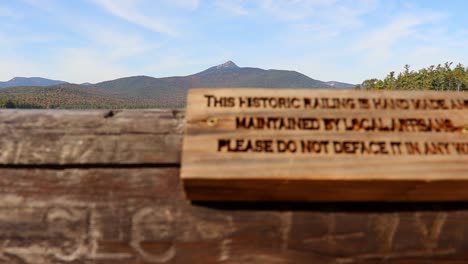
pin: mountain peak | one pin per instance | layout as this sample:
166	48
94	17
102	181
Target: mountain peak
227	65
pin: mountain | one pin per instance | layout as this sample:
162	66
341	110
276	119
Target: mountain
150	92
172	91
340	85
32	81
225	75
230	75
144	88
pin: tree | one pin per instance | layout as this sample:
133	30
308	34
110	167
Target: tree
458	76
10	104
439	78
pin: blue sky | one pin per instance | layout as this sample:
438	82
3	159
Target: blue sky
351	40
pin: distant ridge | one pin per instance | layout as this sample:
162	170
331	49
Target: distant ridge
229	74
30	81
168	92
340	85
171	91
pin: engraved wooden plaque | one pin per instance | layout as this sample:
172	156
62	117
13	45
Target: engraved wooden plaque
319	145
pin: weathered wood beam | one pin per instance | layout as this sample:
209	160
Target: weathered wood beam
103	208
141	216
90	137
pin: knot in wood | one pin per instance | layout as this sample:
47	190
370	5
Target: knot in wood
212	121
465	130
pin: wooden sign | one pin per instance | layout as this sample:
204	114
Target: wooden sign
318	145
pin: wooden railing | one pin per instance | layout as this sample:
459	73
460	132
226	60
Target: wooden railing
103	187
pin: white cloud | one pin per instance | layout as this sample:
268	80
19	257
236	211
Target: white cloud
85	65
97	53
379	44
12	66
187	4
8	13
329	22
121	46
127	10
317	20
73	65
104	58
294	10
99	62
46	5
115	45
235	7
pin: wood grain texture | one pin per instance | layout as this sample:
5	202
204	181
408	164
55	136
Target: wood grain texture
90	137
141	216
398	146
77	210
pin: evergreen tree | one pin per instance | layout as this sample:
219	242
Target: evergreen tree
439	78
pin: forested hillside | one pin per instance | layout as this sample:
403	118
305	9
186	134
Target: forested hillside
438	78
66	97
150	92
